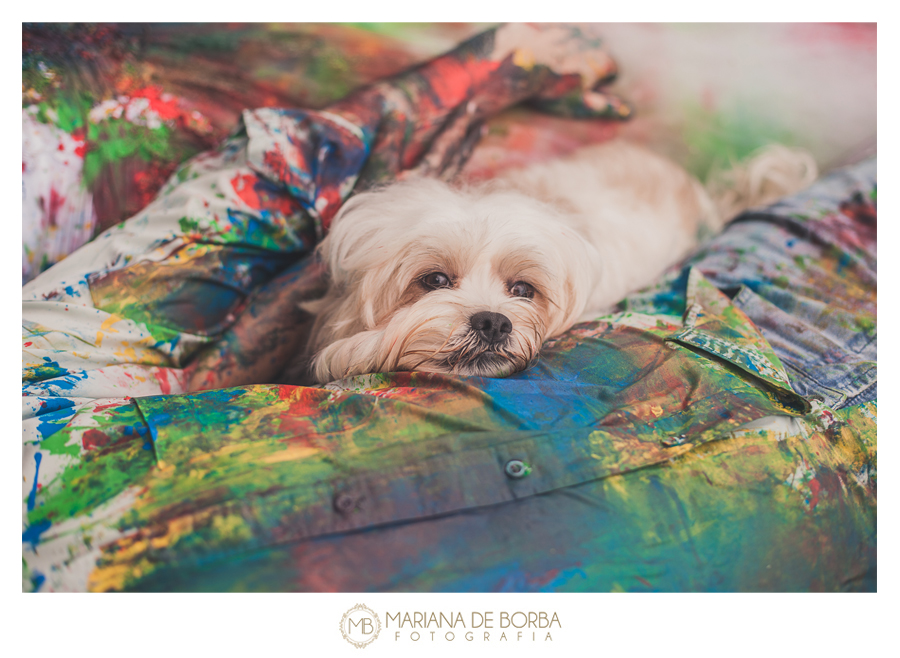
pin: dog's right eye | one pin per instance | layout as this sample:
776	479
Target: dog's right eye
436	280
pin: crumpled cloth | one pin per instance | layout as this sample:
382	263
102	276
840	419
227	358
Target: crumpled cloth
717	434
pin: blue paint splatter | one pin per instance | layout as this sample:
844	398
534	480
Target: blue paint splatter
64	383
37	467
844	261
49	370
564	577
51	423
37	579
33	534
49	405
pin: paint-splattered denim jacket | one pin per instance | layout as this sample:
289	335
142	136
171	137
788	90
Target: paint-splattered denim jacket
717	433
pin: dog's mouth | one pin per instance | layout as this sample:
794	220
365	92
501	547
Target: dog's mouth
489	363
475	357
468	353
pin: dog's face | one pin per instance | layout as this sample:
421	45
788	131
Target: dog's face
425	277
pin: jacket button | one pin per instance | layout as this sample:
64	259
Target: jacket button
673	441
516	468
345	503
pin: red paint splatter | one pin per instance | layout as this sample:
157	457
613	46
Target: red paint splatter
165	105
275	160
242	184
51	208
263	197
78	137
644	581
149	180
162	377
296	420
93	439
104	407
814	488
453	80
28	344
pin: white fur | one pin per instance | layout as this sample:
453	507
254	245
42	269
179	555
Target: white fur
583	231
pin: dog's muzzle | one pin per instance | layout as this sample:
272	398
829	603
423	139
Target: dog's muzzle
485	349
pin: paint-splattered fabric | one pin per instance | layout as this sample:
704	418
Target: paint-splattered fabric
109	111
203	279
717	434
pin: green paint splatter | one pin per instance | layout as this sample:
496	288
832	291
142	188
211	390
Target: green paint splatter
718	138
188	225
39	373
112	140
100	474
866	324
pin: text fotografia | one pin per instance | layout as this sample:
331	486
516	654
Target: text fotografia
482	626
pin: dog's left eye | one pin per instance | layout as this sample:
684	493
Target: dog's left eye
436	280
522	289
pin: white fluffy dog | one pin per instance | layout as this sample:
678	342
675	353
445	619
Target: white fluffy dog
471	281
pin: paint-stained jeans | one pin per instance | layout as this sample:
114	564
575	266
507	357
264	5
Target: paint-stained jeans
804	271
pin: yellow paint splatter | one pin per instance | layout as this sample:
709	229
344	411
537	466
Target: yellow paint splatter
107	327
110	578
293	453
232	528
523	58
617	484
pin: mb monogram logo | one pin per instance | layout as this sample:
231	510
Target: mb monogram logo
360	626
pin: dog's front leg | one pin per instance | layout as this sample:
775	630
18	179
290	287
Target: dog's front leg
355	355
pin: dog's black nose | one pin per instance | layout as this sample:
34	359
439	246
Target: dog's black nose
492	327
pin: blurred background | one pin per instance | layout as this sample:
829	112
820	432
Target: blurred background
110	110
